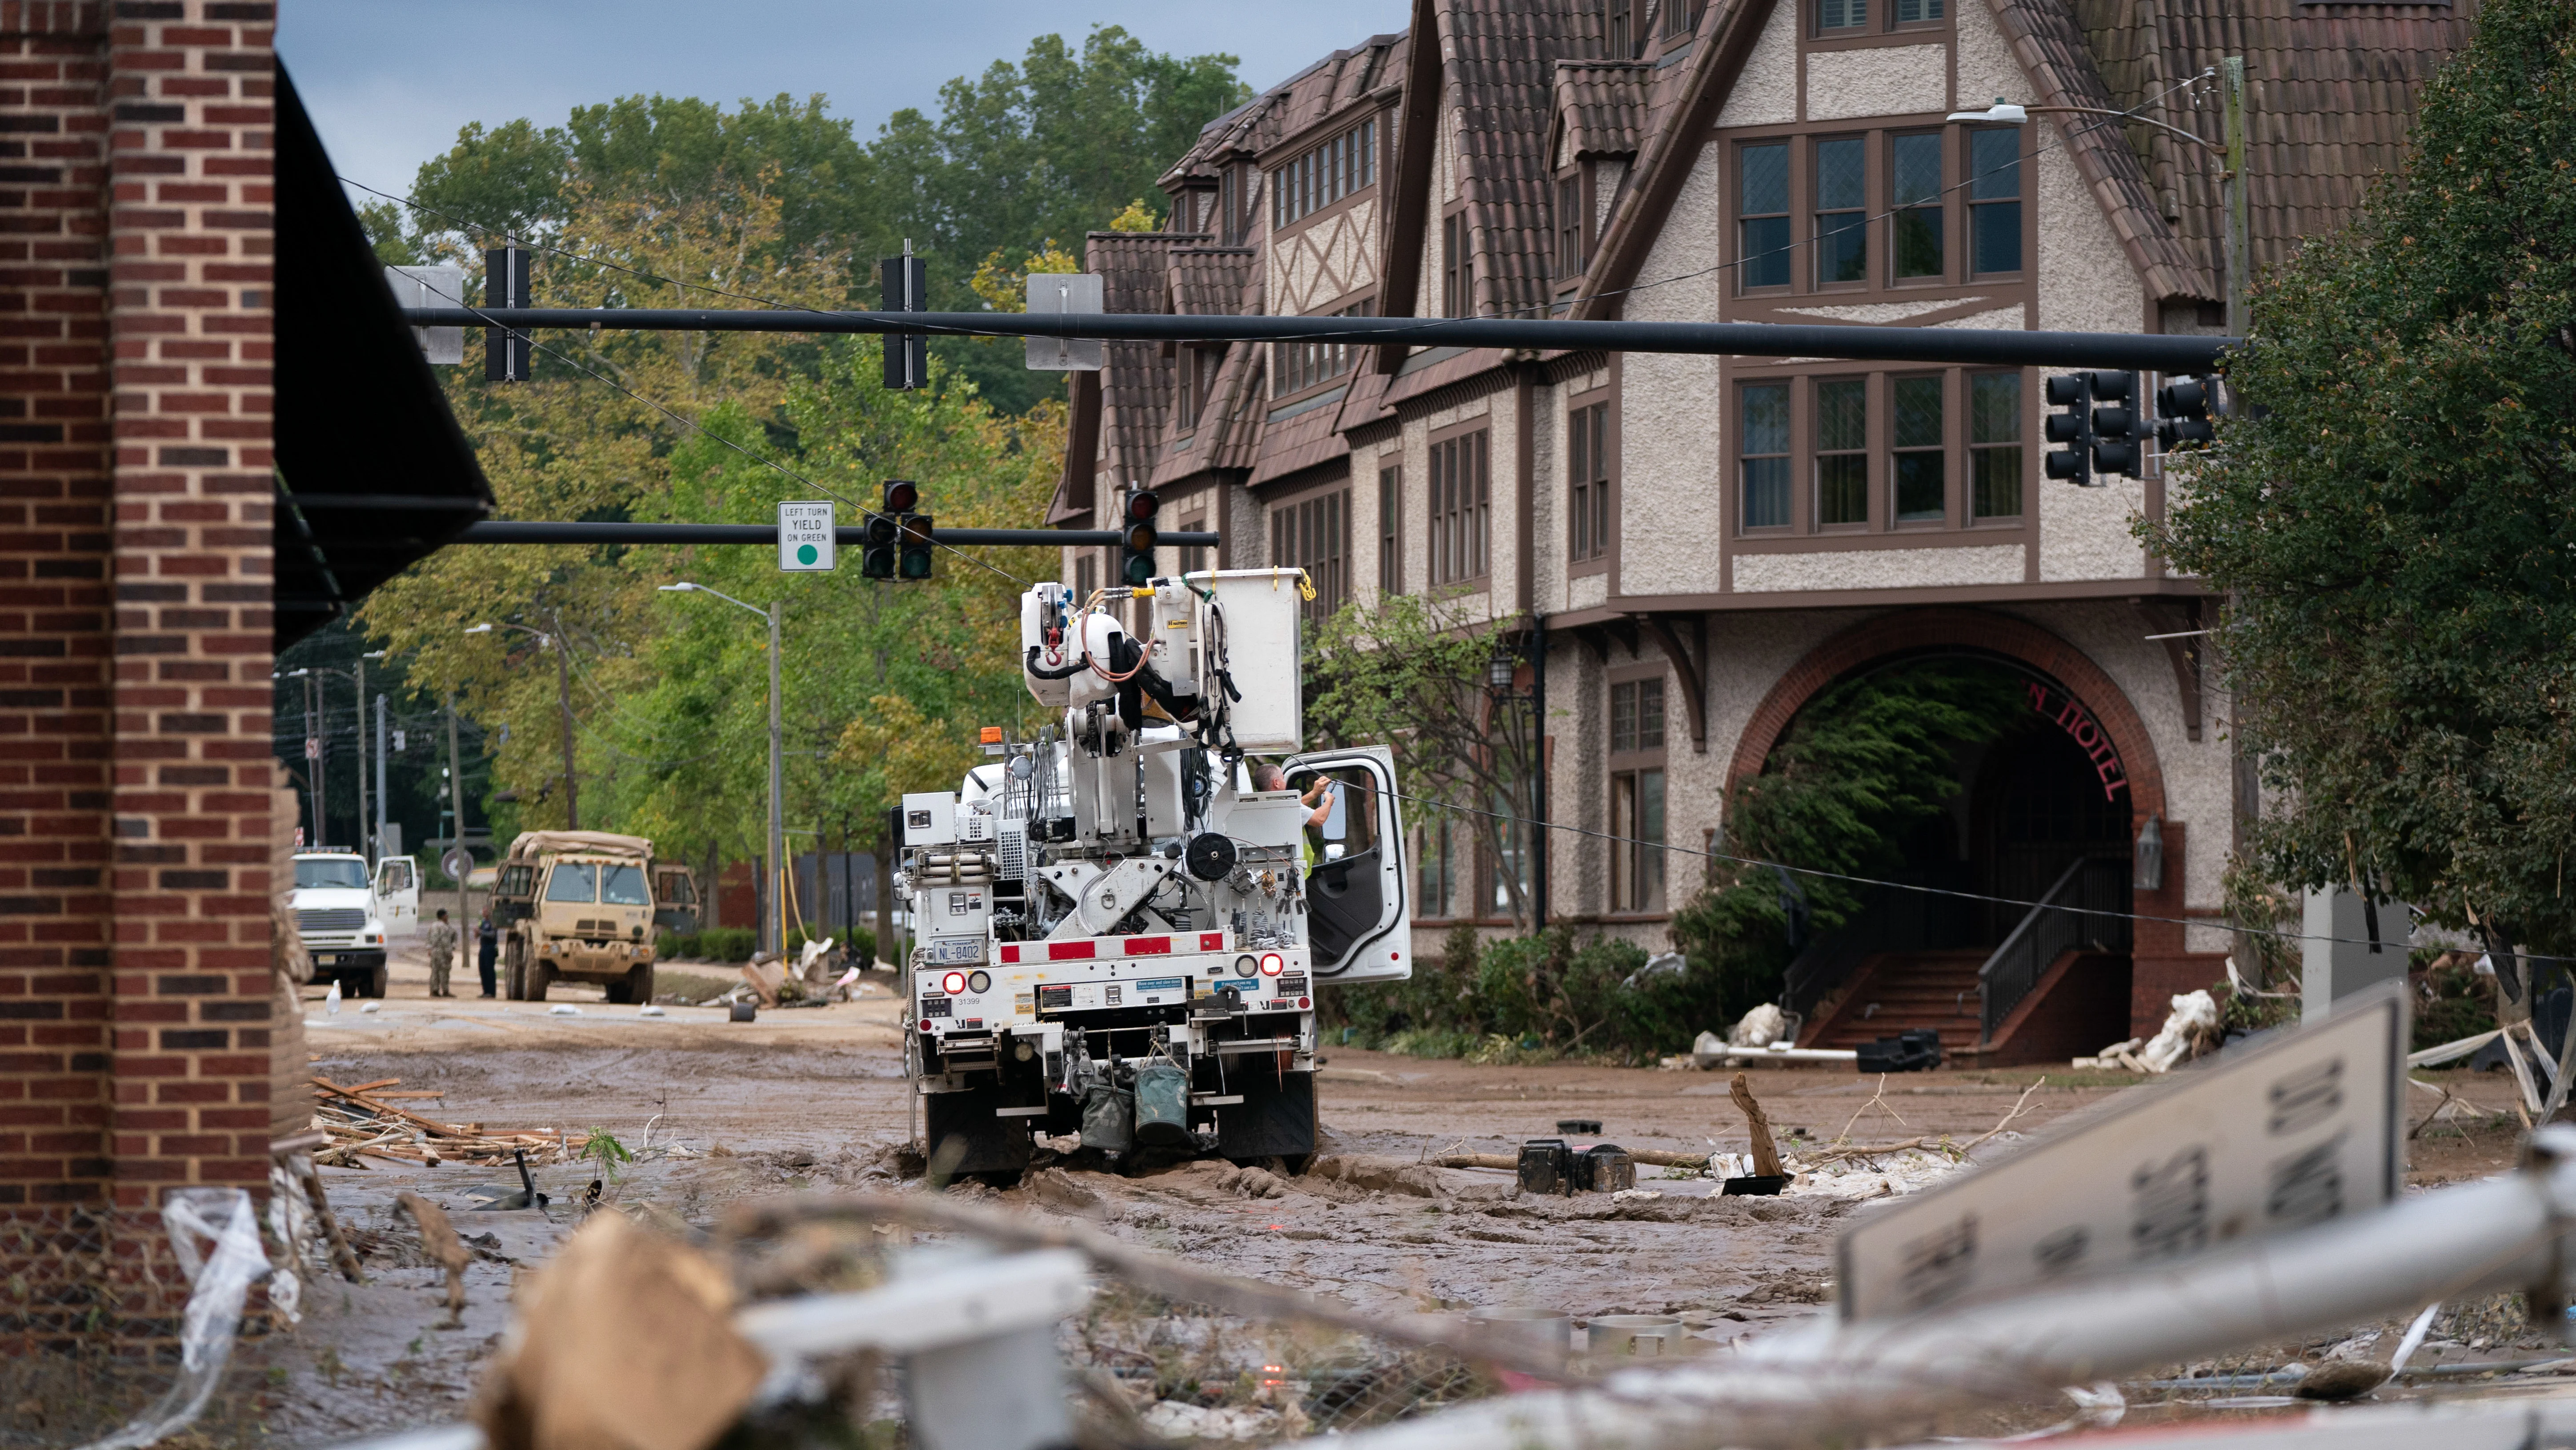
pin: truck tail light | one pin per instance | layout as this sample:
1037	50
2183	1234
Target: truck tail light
1272	964
954	984
979	981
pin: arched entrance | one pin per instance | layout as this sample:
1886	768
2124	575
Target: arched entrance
2074	783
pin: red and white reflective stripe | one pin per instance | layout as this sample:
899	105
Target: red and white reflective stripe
1071	951
1211	941
1148	946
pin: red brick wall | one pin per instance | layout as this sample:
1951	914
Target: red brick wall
135	235
190	84
54	625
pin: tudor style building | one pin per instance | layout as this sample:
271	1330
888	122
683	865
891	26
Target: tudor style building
1692	548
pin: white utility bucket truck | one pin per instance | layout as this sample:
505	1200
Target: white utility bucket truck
1121	926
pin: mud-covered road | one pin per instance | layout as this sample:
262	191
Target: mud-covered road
815	1099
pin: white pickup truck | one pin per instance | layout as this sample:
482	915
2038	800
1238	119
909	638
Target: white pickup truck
347	917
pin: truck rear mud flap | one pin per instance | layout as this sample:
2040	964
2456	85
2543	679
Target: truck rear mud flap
966	1133
1276	1118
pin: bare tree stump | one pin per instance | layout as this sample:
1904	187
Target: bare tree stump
1766	1154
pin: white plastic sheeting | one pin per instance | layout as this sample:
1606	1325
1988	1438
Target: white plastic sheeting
219	1278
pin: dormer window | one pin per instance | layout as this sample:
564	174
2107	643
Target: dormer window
1323	174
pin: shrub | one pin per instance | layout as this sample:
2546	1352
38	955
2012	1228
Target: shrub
1530	999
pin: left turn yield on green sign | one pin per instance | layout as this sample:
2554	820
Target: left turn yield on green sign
805	536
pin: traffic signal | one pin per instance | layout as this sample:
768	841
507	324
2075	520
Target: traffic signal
2073	393
916	545
1136	542
2117	429
2183	406
881	535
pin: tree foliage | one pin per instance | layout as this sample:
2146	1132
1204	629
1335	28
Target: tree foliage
1411	674
1021	160
2393	516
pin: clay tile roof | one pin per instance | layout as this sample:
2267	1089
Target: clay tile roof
1502	67
2330	97
1135	379
1208	281
1329	85
1600	107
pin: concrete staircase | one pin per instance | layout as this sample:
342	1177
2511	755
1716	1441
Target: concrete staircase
1895	991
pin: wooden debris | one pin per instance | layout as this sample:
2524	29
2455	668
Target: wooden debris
438	1241
1766	1154
363	1123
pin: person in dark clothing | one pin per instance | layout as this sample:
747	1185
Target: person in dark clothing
488	938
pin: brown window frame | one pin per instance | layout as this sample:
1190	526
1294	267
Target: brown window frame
1457	267
1300	368
1805	528
1591	501
1390	528
1799	227
1314	534
1637	770
1321	175
1461	500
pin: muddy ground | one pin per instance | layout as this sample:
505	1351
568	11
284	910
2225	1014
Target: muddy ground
815	1099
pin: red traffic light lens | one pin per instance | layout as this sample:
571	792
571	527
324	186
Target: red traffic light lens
1141	507
900	496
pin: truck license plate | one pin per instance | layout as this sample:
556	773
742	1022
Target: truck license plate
951	950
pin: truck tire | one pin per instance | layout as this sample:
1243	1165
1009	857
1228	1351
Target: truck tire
615	992
372	981
540	975
514	970
639	984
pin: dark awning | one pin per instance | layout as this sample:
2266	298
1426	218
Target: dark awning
372	472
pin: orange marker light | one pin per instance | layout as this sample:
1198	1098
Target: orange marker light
992	735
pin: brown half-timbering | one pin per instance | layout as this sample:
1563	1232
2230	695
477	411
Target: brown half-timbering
1686	673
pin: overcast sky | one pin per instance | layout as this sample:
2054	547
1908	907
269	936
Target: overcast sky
390	83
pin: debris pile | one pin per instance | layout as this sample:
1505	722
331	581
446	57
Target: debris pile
2190	1030
362	1122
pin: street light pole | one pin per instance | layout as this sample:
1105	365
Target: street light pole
773	922
778	865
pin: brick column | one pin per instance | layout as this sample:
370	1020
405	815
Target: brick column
190	86
54	651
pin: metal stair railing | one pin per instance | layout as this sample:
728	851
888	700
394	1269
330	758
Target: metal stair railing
1888	919
2086	908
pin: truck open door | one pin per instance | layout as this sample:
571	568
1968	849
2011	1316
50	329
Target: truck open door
675	900
398	896
1359	918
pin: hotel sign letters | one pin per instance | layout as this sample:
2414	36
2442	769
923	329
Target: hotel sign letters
2087	732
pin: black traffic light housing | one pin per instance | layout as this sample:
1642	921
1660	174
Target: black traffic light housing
2073	393
2099	441
883	554
2117	428
916	546
506	354
2183	409
1137	538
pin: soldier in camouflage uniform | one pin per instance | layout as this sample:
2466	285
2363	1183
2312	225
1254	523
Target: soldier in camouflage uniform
442	954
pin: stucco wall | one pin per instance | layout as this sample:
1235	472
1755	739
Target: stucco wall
1880	568
1767	93
1671	458
1503	539
1892	80
2085	285
1986	66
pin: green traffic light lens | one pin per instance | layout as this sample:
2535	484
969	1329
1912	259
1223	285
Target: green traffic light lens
916	564
1140	570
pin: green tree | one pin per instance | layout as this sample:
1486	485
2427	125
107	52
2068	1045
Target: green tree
1411	674
2393	514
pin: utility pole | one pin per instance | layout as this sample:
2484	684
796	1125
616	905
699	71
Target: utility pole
366	838
380	774
563	692
456	807
2240	240
777	820
317	755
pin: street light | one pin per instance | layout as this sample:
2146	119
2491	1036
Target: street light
773	923
563	695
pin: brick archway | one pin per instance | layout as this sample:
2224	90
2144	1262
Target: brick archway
1958	629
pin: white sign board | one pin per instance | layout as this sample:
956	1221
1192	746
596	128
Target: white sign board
1062	294
2295	1130
440	286
806	537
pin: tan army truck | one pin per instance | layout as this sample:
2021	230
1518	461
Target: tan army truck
583	906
